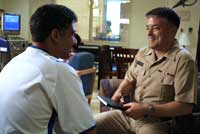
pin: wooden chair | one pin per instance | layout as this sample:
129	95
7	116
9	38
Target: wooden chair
105	64
91	72
123	58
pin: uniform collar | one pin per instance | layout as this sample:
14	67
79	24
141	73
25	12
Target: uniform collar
171	54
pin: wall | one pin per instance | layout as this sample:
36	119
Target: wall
25	8
21	7
81	8
137	33
1	4
34	4
192	22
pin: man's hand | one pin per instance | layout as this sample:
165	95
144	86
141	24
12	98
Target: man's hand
125	87
117	96
135	110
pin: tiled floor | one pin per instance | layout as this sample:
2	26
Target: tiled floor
95	102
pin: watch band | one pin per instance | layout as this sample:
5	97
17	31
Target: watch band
151	109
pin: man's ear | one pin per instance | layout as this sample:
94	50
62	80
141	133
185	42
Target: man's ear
54	35
173	30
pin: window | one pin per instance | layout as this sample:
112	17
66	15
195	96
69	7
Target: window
110	20
101	20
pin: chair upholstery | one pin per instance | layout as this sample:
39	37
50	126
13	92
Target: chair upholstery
107	88
83	62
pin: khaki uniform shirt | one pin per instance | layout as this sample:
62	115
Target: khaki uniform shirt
173	77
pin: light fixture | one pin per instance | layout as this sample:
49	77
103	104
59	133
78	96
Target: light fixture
184	3
184	39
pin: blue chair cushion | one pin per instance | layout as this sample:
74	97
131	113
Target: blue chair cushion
80	61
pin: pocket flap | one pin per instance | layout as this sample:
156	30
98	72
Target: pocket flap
168	79
140	70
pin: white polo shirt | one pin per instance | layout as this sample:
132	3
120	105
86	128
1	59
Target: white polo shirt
31	85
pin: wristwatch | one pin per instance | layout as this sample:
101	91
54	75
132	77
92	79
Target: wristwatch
151	109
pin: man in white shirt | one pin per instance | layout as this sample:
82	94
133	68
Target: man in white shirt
36	89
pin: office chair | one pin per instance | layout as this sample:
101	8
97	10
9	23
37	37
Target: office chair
5	52
83	62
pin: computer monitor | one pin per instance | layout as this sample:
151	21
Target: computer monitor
10	24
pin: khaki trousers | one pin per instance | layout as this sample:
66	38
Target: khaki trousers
115	122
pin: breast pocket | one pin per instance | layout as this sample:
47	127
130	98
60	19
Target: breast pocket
140	73
167	87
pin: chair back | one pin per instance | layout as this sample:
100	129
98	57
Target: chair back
83	62
123	58
105	61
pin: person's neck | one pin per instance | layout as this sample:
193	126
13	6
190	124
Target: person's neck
39	45
44	46
162	51
159	54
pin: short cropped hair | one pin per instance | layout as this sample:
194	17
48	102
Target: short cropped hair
48	17
167	13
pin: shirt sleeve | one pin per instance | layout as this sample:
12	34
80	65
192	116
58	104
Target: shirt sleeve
74	114
185	82
130	74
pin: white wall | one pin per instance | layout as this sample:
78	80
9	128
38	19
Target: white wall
34	4
21	7
137	35
193	22
81	8
25	8
1	4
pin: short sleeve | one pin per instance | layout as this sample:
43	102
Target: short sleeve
186	81
130	75
74	114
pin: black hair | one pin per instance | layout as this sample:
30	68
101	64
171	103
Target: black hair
79	42
78	38
48	17
167	13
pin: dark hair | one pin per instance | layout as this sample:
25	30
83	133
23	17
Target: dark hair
166	13
48	17
78	38
79	42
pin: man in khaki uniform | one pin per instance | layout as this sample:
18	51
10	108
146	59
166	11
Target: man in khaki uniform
165	77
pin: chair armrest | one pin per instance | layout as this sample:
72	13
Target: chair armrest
109	86
85	71
89	87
